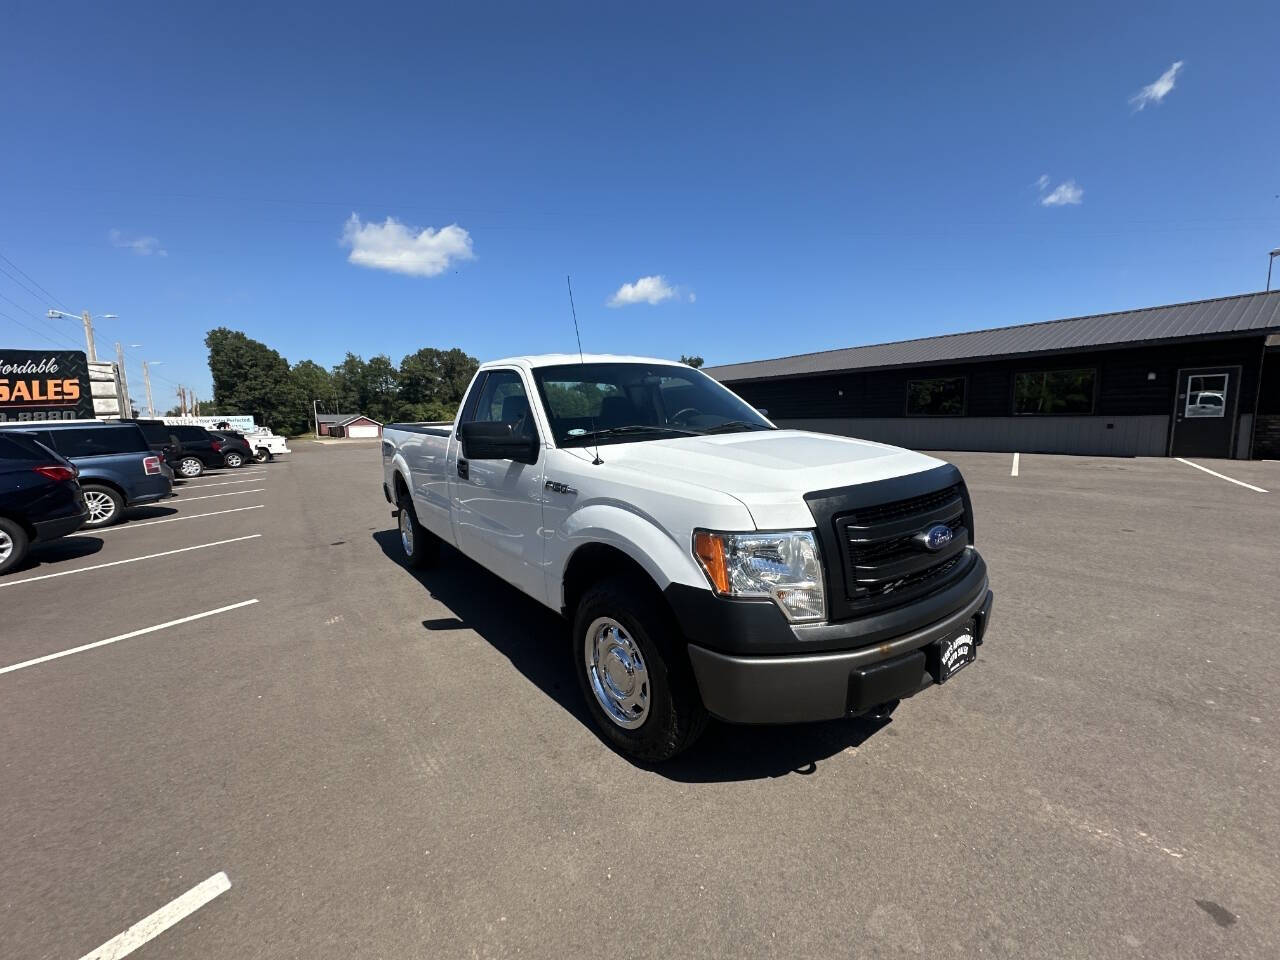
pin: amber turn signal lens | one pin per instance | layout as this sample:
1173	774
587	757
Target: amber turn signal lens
709	550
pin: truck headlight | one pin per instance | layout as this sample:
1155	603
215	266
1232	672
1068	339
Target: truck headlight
784	566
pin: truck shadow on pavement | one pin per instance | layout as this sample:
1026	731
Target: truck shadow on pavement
536	641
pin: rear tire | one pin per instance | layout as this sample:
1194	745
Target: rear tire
631	664
233	460
190	467
261	455
421	547
14	544
106	507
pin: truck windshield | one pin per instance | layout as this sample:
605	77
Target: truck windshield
590	403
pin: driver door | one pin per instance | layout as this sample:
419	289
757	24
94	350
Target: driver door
497	504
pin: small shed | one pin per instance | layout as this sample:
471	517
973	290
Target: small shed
354	425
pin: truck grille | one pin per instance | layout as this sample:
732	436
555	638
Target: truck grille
884	557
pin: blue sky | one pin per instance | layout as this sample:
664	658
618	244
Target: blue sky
801	177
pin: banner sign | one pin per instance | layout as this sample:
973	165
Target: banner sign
44	385
241	424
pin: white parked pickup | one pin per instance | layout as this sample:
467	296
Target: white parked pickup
708	562
266	445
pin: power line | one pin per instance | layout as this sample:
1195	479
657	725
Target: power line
34	295
34	281
35	317
38	333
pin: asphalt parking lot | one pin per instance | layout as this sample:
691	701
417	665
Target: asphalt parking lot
384	764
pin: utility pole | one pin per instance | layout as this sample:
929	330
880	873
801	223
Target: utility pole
90	349
122	377
146	381
182	400
315	419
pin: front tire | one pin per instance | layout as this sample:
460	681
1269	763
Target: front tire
421	547
14	544
190	467
106	507
634	673
233	460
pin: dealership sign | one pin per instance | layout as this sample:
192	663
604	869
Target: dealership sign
44	385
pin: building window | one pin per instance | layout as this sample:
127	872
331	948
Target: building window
942	397
1054	392
1206	395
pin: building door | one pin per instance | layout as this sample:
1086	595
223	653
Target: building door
1204	412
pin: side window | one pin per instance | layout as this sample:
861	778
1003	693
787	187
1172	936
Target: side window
503	399
15	446
98	441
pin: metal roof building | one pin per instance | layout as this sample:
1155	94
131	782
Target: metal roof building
1114	383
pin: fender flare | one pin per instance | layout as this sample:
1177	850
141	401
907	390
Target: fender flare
636	536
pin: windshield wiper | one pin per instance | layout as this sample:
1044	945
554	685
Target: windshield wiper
632	429
729	425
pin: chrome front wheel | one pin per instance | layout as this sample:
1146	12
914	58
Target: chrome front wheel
617	672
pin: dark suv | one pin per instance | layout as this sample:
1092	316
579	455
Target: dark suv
235	449
199	449
162	440
40	499
117	467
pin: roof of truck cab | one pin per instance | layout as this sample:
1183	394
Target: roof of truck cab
562	359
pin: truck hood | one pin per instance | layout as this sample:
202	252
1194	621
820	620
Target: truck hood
769	471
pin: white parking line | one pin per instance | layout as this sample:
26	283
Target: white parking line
193	516
238	473
116	563
1014	471
229	493
151	927
124	636
1221	476
226	483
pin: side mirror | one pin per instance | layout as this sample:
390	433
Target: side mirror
493	440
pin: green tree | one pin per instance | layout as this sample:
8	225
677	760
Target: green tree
310	383
693	361
432	383
249	378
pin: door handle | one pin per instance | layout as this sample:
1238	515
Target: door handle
463	470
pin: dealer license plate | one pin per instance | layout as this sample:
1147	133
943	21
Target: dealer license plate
956	652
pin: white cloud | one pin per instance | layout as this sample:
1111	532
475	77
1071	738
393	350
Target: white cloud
142	246
1066	194
649	290
1042	182
391	245
1157	91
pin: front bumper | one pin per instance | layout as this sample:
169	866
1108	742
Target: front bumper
827	686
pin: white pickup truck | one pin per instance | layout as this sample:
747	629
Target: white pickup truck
709	563
266	445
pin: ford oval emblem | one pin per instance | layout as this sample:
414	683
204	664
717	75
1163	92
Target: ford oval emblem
937	536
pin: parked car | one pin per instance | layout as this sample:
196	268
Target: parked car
40	499
709	563
235	451
117	468
161	439
266	445
201	450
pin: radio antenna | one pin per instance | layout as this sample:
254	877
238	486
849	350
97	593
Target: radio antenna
572	309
